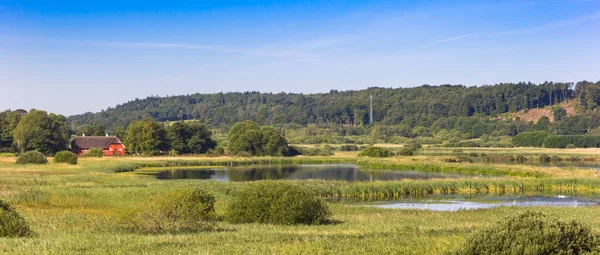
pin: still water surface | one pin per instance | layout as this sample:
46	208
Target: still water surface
455	204
339	172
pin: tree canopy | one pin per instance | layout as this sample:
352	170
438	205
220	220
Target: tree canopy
190	137
391	106
248	137
38	130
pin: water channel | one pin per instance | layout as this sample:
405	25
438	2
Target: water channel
334	172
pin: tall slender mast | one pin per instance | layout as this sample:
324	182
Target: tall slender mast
371	114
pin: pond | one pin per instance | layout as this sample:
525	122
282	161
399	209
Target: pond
340	172
457	203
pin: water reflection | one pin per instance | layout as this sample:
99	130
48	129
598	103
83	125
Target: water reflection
456	204
299	172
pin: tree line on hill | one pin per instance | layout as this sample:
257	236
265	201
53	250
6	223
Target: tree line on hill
418	122
392	106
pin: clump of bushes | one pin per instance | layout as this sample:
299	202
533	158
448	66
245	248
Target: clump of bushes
532	139
376	152
545	158
407	151
94	152
533	233
277	203
349	147
410	149
243	154
324	152
11	223
65	157
180	211
32	157
218	151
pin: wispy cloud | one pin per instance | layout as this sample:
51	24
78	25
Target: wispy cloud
549	26
282	53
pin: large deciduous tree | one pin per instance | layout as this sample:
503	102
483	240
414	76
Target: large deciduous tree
146	137
190	137
92	130
8	122
248	137
38	130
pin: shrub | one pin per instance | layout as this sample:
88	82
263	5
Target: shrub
65	157
407	151
180	211
276	203
521	158
376	152
533	139
350	147
94	152
316	151
218	151
32	157
578	141
545	158
533	233
243	154
570	146
11	223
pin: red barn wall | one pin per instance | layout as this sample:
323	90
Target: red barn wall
112	150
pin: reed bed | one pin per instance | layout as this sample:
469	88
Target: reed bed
422	188
74	210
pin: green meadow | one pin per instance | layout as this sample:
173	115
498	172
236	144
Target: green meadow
77	209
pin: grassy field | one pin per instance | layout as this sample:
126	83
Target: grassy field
75	210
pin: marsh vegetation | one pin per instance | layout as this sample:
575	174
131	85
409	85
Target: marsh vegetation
112	205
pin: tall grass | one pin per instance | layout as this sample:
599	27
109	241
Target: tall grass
419	188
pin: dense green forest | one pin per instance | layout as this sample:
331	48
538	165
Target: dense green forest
391	106
454	116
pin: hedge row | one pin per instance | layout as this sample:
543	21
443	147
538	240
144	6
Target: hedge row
543	139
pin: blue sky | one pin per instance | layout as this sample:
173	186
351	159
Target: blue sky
75	56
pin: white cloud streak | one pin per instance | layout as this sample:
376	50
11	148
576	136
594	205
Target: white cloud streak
544	27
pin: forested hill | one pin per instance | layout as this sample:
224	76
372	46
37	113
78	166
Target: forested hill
390	105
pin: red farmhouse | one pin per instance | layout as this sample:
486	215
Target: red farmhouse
111	145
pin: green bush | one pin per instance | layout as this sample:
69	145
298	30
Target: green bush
350	147
65	157
326	151
376	152
180	211
94	152
11	223
32	157
570	146
281	203
575	141
243	154
407	151
545	158
533	233
531	139
521	159
218	151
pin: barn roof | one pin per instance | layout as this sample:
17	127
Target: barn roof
87	142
